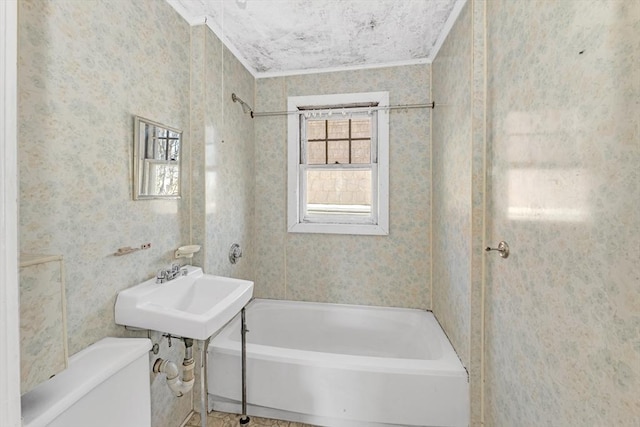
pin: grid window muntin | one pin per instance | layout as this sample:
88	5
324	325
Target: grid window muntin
161	167
340	173
161	144
326	130
359	146
321	107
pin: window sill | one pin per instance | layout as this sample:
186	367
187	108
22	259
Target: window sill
356	229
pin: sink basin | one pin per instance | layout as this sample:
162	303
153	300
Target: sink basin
193	306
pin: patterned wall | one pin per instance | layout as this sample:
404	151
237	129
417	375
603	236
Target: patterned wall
563	312
560	324
375	270
561	331
451	163
458	191
223	174
86	67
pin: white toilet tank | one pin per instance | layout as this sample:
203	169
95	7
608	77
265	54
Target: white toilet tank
106	385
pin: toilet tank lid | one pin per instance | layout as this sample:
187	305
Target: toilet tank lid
87	369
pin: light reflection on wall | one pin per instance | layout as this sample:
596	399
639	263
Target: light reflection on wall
546	180
211	169
548	195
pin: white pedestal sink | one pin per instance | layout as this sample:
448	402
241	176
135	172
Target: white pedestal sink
196	305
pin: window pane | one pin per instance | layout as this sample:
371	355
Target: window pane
361	128
339	192
338	129
338	152
316	153
361	151
332	198
316	129
164	178
174	149
161	149
149	144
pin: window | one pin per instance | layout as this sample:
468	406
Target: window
161	160
338	169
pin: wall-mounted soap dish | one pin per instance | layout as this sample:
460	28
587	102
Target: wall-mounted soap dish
187	251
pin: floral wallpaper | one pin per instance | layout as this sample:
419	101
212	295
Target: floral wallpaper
391	270
556	325
458	144
562	337
85	68
457	197
222	211
43	344
228	162
451	163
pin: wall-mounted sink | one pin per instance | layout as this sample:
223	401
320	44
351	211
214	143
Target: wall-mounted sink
196	305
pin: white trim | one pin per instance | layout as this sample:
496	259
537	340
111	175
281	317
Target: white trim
177	6
451	20
219	32
294	223
351	229
9	310
269	74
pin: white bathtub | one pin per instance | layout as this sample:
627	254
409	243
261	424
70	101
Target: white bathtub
340	365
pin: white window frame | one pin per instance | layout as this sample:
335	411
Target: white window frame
380	171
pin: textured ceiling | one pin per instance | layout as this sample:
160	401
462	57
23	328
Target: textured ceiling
275	37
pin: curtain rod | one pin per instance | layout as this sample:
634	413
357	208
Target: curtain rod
343	110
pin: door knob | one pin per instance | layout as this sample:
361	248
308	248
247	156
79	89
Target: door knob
503	249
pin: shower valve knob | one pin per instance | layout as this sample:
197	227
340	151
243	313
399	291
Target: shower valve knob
235	253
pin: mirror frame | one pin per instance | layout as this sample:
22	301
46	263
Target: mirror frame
139	157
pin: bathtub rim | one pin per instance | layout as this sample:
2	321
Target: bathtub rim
448	364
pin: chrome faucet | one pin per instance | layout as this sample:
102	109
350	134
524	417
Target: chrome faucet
170	273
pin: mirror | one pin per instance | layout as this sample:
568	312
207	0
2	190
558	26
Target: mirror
156	160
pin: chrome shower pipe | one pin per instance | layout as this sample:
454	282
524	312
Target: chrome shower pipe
245	107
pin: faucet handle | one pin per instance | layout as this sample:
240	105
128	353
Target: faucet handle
161	277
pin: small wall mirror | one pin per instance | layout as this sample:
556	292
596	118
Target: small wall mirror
156	160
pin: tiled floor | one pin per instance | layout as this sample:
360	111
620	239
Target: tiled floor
221	419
